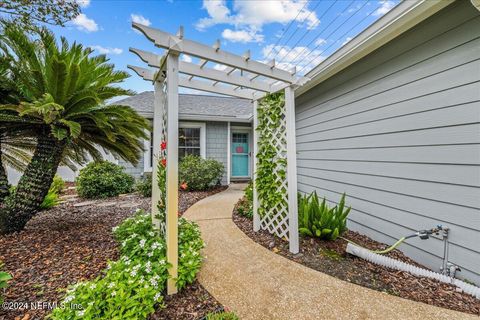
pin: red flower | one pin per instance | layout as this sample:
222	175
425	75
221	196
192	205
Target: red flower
184	186
163	146
163	162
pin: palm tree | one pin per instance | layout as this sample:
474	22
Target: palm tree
63	90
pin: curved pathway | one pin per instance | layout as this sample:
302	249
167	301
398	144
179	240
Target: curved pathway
259	284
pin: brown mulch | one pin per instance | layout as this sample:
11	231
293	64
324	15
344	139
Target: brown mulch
193	302
67	244
331	258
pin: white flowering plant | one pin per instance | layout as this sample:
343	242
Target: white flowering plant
132	287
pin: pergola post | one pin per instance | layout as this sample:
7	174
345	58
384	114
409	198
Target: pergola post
159	105
172	170
256	217
291	169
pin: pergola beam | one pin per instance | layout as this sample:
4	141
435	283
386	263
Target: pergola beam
196	49
192	69
148	74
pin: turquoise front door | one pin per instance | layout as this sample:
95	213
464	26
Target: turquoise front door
240	154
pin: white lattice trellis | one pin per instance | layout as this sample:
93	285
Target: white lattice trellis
276	217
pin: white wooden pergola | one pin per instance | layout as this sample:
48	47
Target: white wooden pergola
242	77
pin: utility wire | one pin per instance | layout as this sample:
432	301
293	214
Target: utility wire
313	10
343	35
303	36
288	27
321	32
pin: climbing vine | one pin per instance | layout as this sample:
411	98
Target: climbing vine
162	185
271	155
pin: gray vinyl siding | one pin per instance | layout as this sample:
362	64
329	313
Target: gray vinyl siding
399	132
217	144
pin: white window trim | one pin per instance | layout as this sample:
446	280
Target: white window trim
203	143
203	134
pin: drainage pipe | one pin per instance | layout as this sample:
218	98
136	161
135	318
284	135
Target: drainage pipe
402	266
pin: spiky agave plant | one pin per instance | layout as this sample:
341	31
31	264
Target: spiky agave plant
64	89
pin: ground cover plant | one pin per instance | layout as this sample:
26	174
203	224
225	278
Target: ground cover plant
198	173
132	286
245	205
102	179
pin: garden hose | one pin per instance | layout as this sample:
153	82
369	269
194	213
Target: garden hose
387	250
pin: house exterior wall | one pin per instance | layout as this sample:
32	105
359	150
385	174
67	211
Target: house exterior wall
135	171
217	144
399	132
216	148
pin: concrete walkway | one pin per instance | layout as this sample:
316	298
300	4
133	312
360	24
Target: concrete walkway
259	284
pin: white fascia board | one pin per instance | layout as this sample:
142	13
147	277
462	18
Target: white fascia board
170	42
403	17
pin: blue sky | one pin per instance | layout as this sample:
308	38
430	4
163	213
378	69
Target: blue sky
294	32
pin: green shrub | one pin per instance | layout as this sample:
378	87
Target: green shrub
103	179
4	278
245	205
50	200
198	173
132	287
222	316
318	220
144	186
57	185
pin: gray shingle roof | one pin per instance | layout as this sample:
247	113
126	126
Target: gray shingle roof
192	105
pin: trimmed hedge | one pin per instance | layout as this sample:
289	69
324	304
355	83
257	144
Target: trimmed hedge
103	179
198	173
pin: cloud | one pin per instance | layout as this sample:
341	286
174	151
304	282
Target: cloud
320	42
300	57
83	3
386	5
248	17
138	18
186	58
83	23
242	36
104	50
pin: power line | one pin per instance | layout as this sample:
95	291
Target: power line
288	27
321	32
348	31
313	10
